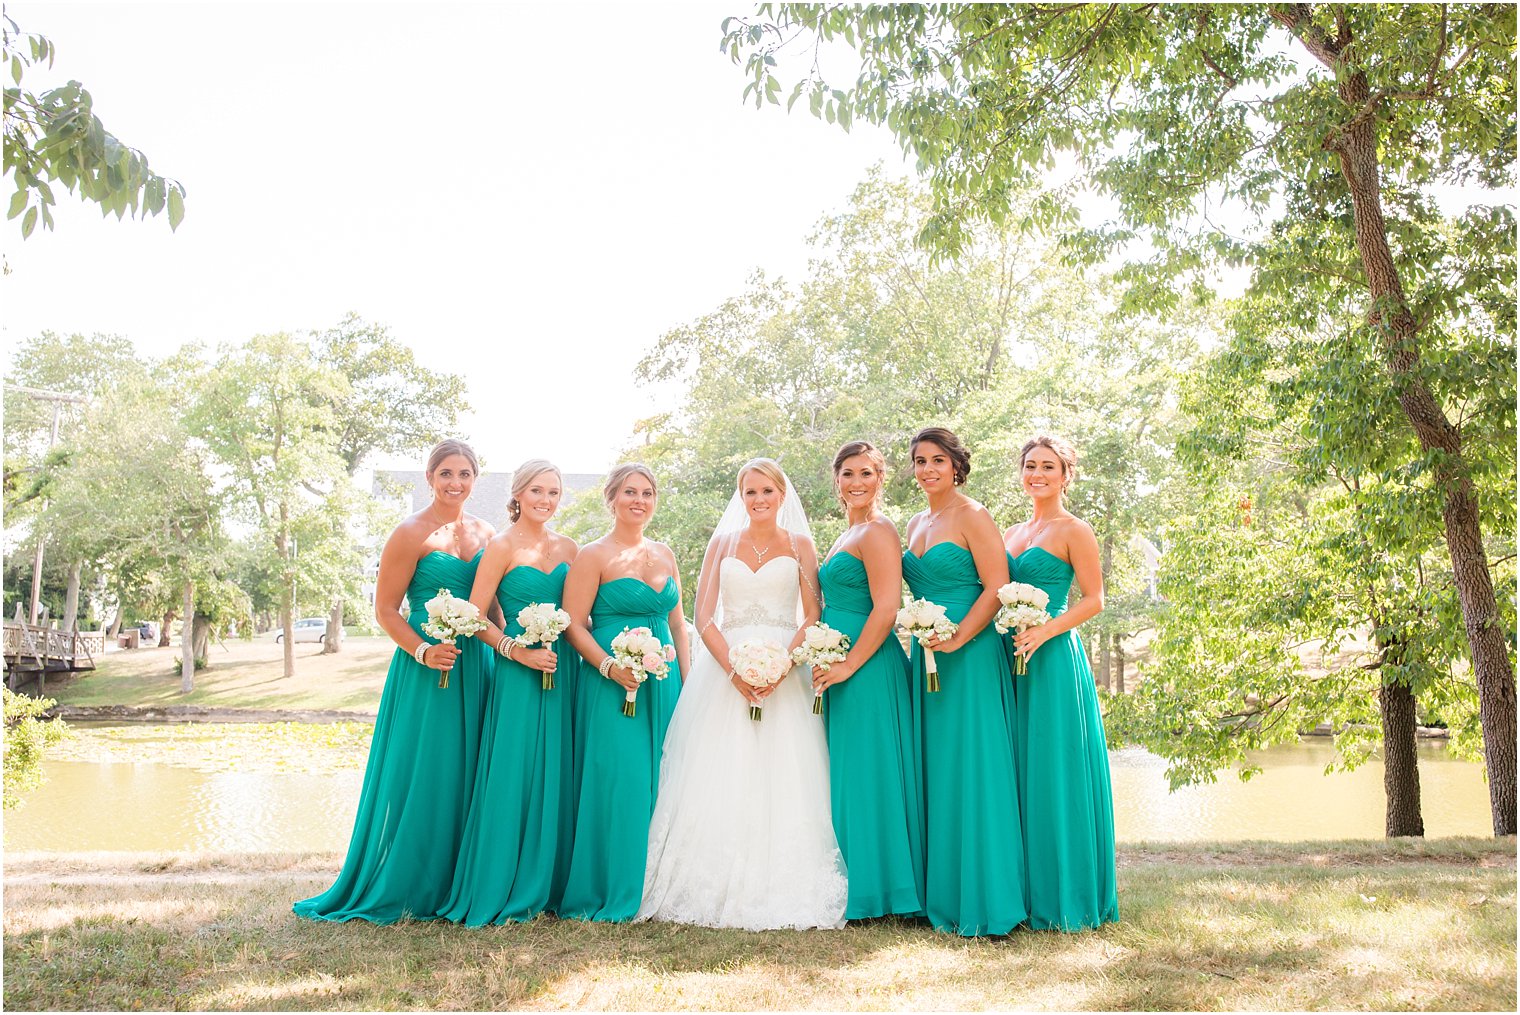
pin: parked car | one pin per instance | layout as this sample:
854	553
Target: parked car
308	629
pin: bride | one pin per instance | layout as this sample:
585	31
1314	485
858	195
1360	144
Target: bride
742	834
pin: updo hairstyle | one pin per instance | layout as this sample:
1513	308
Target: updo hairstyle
619	476
445	448
525	474
960	458
867	449
768	468
1060	447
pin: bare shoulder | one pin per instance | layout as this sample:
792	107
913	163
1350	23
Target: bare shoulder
565	545
1073	527
880	534
805	542
975	517
664	552
480	528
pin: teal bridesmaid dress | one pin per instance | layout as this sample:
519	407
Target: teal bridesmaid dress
512	834
873	759
421	770
617	760
1065	799
974	882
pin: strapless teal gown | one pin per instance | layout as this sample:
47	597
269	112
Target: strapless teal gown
617	760
511	836
1065	800
421	770
873	759
974	881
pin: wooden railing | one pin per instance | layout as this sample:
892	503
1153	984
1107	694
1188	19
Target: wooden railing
32	648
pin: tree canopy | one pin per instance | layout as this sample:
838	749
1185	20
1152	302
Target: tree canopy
1304	142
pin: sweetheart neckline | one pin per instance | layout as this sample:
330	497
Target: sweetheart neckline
931	549
1045	552
631	578
762	567
532	567
445	553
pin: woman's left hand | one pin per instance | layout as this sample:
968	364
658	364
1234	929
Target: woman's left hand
1026	641
825	677
950	644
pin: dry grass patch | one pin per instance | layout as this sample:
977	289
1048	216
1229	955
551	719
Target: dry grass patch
241	674
1393	930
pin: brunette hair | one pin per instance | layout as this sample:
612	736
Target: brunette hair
1060	447
960	458
866	448
620	475
445	448
525	474
767	467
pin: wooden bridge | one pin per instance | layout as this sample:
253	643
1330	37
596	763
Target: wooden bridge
33	651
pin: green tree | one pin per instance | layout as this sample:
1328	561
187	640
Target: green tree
879	341
27	737
135	499
1331	123
391	404
56	137
265	409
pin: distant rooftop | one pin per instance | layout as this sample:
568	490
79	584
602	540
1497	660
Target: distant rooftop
489	498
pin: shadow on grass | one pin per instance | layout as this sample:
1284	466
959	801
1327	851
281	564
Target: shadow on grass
1411	935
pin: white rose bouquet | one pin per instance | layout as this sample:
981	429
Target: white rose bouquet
542	623
821	646
759	664
640	652
923	620
1023	607
450	617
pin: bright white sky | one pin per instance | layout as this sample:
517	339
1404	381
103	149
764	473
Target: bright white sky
529	195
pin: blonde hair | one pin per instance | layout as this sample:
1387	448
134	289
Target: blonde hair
620	475
445	448
767	467
525	474
867	450
1060	447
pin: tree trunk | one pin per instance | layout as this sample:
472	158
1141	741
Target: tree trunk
1118	662
1464	536
1355	143
287	594
115	627
202	627
1401	767
334	640
71	597
163	631
187	643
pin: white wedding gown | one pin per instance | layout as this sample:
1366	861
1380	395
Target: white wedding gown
742	834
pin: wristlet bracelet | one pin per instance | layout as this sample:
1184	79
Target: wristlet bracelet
420	651
605	669
504	647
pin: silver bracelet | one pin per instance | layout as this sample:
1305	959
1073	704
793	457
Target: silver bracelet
420	651
605	669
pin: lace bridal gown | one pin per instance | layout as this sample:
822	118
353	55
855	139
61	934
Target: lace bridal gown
742	834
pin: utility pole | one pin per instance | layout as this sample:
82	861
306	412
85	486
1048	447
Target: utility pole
57	398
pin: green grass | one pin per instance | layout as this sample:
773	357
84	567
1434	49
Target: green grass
1342	925
241	674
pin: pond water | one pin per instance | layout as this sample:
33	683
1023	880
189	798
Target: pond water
149	807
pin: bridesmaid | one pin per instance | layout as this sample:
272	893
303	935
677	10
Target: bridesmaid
512	834
867	710
1065	801
974	862
620	581
422	757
